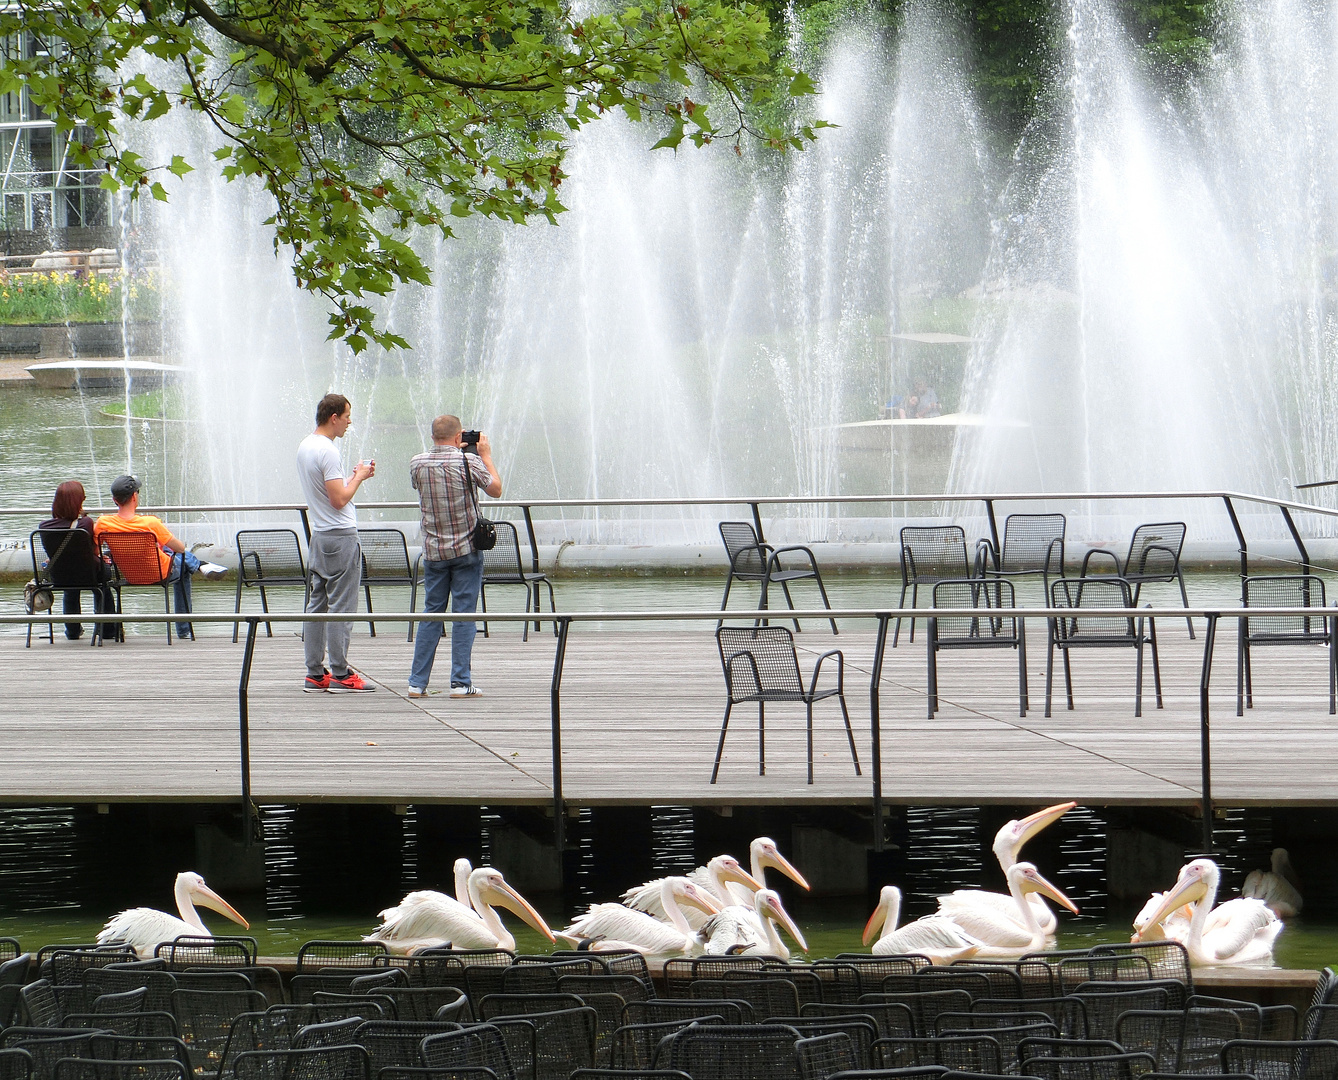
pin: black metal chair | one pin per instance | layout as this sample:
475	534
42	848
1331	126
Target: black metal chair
317	1063
71	1068
503	566
991	630
1154	556
752	560
753	1052
135	559
761	665
1300	591
821	1055
1098	632
319	953
16	1064
73	564
929	554
267	558
1033	546
1293	1059
385	561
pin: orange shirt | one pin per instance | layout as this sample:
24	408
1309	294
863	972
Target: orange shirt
139	523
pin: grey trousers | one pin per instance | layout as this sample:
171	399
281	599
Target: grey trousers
336	574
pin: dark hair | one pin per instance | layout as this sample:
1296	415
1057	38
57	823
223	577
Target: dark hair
69	501
330	405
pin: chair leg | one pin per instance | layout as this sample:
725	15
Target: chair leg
825	602
850	733
1184	596
483	603
1333	671
1068	678
1138	672
1240	667
789	602
761	738
167	607
729	581
931	659
809	703
720	749
915	603
901	603
1156	663
1023	703
237	606
371	626
264	606
1049	663
525	626
1249	675
413	603
552	604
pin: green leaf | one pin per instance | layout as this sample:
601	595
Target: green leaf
180	166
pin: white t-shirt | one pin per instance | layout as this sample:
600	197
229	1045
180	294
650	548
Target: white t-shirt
317	462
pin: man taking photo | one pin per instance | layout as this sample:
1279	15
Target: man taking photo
444	478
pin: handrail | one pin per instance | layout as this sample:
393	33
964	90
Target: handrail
883	616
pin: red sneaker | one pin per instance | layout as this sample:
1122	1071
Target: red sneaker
316	686
350	684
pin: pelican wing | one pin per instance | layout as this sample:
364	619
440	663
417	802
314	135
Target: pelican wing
991	927
734	930
1274	890
432	915
1245	931
964	899
648	898
643	931
144	929
934	936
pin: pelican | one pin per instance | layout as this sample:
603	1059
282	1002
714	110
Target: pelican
461	871
1279	887
1174	926
1008	844
1239	932
147	928
714	878
935	936
734	930
999	933
615	926
763	853
428	919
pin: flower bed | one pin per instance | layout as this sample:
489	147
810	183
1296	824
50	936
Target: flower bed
60	296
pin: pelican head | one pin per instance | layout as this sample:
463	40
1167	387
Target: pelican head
765	853
191	890
685	892
1009	841
728	869
889	907
1029	880
492	889
768	905
1197	879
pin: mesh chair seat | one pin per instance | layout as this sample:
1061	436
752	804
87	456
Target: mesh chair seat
640	1046
319	953
321	1063
502	565
992	631
395	1042
135	562
267	558
1033	546
1154	556
890	1019
929	554
385	561
73	564
140	1048
821	1055
750	559
861	1031
768	997
755	1052
1292	1059
1071	632
979	1053
482	1045
16	1064
735	1012
1300	590
761	664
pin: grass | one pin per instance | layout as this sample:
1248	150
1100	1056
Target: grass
169	403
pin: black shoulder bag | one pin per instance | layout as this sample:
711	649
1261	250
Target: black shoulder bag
484	536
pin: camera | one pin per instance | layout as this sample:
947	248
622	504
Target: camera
469	442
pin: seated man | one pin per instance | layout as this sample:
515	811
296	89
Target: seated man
177	563
925	401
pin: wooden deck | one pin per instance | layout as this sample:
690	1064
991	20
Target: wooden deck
641	712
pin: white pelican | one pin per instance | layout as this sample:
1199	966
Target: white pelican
1279	887
763	853
461	871
616	926
935	936
714	877
734	931
428	919
1239	932
1000	935
147	928
1174	926
1008	844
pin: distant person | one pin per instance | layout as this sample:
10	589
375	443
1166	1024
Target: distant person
335	556
178	564
443	478
924	402
67	512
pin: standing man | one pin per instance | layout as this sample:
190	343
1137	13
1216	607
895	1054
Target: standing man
335	557
443	478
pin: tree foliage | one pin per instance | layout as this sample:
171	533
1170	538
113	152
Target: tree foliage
366	118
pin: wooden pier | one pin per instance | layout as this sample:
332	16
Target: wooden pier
641	711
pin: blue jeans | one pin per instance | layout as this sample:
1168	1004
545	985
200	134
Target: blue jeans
460	580
181	589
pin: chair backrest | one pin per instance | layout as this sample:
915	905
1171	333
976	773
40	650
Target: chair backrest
746	555
1093	593
327	953
751	1052
385	556
135	556
1033	542
503	560
1294	590
932	553
265	555
196	952
821	1055
758	660
974	593
15	1064
1154	550
319	1063
72	558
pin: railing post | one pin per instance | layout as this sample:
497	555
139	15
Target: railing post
245	728
757	522
534	544
555	706
1205	742
994	529
306	524
1296	538
1240	539
875	726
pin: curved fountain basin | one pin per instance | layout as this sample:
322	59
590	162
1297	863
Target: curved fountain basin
103	372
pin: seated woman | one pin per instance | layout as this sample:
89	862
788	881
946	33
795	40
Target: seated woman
67	512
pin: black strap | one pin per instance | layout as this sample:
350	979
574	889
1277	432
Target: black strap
63	545
469	486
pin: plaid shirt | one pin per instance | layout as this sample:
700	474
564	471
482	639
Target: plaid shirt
439	477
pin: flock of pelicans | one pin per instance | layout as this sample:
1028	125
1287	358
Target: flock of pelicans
722	908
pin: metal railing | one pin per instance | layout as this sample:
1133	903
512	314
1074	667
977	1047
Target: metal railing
564	620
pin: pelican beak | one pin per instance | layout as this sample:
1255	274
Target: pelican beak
1045	888
779	915
503	895
206	897
1042	819
741	876
1184	892
694	897
775	859
875	923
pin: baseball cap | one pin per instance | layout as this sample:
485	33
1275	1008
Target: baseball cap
123	487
